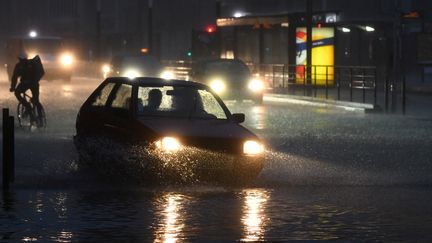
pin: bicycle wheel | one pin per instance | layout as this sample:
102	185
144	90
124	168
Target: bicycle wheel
24	119
41	118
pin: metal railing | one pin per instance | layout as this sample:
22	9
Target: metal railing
347	83
331	80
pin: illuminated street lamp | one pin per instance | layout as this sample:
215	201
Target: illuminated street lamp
346	30
33	34
369	29
238	14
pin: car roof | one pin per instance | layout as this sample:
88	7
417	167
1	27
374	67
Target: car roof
149	81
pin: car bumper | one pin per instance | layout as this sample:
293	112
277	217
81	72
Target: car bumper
147	163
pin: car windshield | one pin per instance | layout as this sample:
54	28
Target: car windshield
178	101
227	68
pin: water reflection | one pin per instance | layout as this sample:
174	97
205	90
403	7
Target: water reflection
8	200
39	204
170	207
60	205
67	90
63	236
254	217
259	118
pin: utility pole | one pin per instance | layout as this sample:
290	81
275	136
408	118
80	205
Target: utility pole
309	13
98	30
396	56
150	27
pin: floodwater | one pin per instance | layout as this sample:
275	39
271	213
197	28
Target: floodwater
206	213
330	175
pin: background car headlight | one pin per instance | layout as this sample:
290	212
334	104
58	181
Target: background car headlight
251	147
106	68
168	144
256	85
66	60
131	73
167	75
217	85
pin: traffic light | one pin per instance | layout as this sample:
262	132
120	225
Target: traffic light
205	43
189	54
210	29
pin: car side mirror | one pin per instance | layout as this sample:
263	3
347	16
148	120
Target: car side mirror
238	117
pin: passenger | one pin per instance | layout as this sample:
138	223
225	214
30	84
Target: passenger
154	101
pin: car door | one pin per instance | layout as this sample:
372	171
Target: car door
119	113
92	115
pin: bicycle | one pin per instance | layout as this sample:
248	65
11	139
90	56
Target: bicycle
25	118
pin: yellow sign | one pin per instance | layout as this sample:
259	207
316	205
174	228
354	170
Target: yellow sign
322	55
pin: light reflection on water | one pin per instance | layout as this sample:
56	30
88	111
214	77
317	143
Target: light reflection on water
170	207
259	117
39	202
253	216
218	214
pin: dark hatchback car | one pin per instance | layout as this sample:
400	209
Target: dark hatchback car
172	128
229	78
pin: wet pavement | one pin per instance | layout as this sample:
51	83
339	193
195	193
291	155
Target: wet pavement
330	174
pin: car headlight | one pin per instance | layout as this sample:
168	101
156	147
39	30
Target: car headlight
167	75
132	73
66	60
106	69
168	144
217	85
251	147
31	54
256	85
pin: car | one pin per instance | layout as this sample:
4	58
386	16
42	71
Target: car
229	78
168	129
135	65
58	61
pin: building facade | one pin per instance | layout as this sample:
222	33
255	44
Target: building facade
393	35
101	28
400	40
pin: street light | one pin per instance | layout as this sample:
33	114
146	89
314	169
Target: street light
33	34
346	30
238	14
369	29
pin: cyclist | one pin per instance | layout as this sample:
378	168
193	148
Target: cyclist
25	69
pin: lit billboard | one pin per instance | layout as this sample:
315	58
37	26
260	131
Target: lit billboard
322	55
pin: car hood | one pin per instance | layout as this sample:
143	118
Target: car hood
196	128
215	135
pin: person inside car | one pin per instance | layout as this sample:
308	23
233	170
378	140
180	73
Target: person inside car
153	102
187	101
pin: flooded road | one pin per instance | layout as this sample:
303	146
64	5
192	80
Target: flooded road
330	175
205	213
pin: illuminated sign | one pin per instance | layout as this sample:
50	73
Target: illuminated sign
322	55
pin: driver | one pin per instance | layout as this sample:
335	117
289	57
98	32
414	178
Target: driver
188	101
